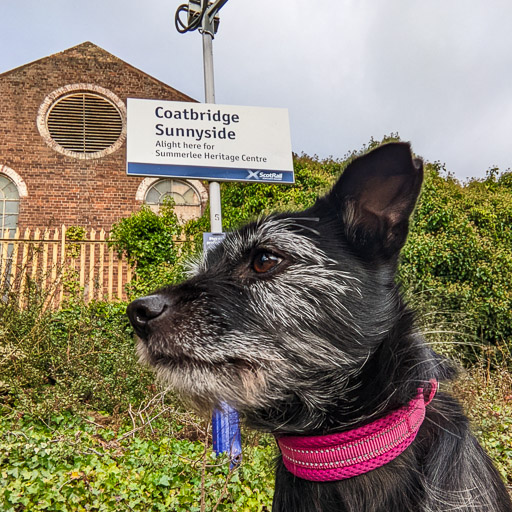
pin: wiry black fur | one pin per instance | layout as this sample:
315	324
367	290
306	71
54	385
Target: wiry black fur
322	342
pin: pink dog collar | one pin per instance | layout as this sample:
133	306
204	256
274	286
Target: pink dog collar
340	456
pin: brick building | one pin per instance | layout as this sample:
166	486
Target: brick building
63	143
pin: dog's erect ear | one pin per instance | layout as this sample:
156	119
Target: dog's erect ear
377	193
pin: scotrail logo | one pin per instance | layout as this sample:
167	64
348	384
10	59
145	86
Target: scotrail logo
262	175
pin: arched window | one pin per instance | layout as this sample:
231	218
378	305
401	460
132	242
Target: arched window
182	192
186	198
9	205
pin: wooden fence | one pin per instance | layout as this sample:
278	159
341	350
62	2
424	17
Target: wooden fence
56	263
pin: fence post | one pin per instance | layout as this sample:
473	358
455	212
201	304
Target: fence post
55	249
4	267
46	237
15	249
35	253
110	272
62	261
24	260
90	292
119	278
102	264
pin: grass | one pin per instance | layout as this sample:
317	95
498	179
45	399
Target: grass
486	394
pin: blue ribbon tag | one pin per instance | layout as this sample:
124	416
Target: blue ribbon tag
226	434
225	420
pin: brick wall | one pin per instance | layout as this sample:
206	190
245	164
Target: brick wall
62	189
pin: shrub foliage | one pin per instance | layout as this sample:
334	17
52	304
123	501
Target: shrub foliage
71	464
148	241
75	358
459	252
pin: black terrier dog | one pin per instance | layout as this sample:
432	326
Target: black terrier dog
295	320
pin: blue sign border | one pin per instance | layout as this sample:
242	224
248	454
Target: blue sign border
210	173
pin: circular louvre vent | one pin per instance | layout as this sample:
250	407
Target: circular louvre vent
84	123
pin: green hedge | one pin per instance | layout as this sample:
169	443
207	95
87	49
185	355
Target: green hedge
459	253
69	464
78	357
242	202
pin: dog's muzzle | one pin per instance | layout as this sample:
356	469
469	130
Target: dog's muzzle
145	311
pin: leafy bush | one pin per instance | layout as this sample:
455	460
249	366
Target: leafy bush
148	240
72	464
242	202
459	252
145	237
80	356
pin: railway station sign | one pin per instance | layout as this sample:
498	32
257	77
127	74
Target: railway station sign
208	141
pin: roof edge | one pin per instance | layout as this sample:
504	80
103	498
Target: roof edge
89	45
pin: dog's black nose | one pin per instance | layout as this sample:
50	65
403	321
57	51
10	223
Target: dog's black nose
143	310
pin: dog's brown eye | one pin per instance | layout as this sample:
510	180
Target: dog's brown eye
265	261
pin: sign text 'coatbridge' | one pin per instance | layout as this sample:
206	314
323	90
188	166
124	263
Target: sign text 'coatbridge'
207	141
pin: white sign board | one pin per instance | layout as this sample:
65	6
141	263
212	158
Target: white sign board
207	141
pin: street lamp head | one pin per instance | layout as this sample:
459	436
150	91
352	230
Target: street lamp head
201	14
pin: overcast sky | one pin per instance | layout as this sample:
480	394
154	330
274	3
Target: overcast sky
438	72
